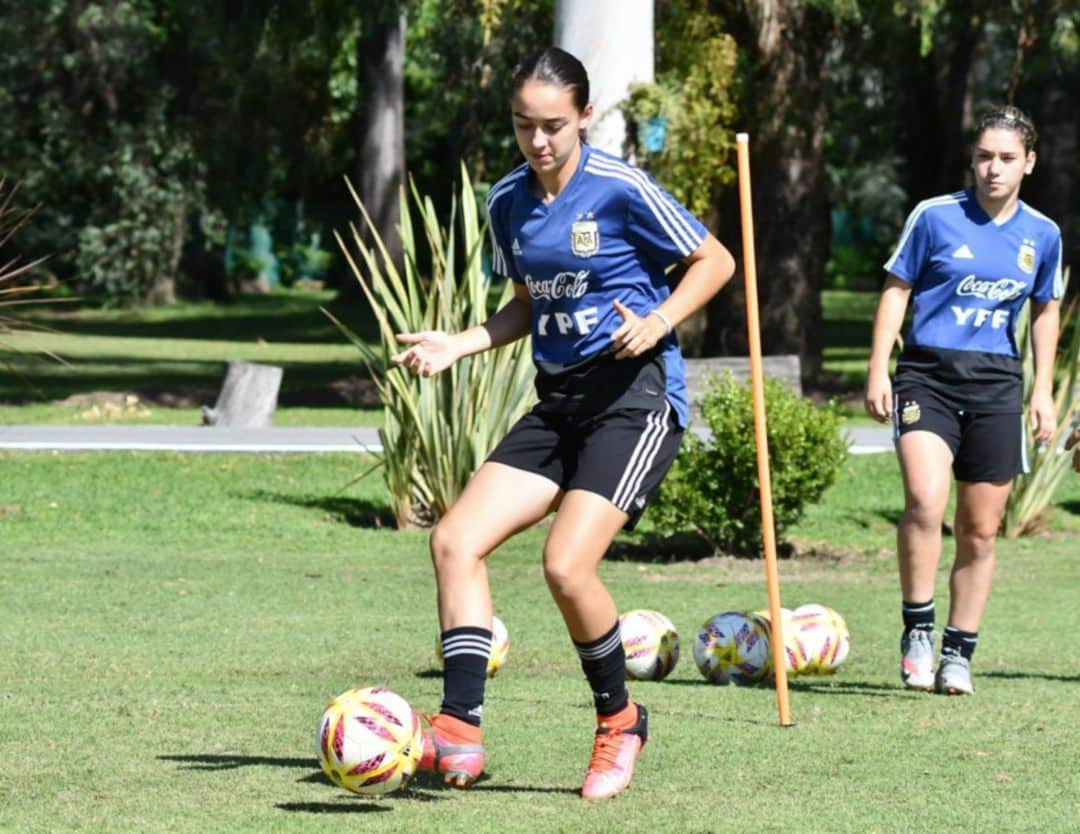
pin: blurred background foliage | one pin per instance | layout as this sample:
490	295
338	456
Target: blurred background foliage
166	141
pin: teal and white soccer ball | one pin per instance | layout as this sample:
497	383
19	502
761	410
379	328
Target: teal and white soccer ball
651	643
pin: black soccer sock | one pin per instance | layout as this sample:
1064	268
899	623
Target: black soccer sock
918	615
604	664
465	654
956	642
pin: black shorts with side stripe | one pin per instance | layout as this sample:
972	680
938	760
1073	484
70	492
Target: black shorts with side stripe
985	447
622	454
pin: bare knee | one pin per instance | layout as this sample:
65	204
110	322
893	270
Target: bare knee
976	537
923	512
449	548
564	575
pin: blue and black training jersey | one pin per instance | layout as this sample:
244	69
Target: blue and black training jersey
611	233
970	278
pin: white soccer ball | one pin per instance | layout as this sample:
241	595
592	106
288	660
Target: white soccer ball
651	643
795	653
369	741
825	637
714	646
500	646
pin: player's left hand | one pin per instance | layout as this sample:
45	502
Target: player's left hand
637	334
1074	441
1043	416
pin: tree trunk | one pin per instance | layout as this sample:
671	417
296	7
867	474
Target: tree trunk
614	40
380	66
248	396
785	42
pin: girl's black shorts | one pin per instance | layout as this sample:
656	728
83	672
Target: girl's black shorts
985	447
622	454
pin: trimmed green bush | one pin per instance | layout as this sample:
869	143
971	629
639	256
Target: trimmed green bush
712	490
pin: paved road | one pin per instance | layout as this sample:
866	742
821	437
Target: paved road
216	439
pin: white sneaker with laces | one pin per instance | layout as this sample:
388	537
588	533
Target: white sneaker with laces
954	676
917	659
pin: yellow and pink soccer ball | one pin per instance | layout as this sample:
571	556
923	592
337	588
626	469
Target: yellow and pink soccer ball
825	637
500	646
369	741
651	643
795	652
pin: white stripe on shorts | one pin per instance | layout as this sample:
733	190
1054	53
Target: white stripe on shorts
642	459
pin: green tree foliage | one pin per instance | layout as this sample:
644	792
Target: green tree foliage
694	96
713	488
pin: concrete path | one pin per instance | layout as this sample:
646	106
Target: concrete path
868	440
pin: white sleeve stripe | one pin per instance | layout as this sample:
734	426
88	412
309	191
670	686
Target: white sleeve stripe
686	236
640	176
678	229
913	219
502	187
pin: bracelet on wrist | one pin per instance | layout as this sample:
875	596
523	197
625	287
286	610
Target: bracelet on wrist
664	319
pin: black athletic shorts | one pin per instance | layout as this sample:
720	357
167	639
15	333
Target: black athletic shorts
621	454
985	447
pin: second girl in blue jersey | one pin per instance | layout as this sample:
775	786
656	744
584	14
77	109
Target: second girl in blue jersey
587	240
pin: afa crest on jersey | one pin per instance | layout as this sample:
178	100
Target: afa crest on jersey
585	238
1025	257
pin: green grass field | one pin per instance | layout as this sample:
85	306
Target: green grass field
171	627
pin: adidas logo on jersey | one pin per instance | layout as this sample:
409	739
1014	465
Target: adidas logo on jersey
515	247
964	251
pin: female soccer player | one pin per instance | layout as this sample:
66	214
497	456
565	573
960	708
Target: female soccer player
970	260
586	239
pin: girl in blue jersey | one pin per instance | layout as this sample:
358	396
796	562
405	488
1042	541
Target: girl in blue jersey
969	261
586	239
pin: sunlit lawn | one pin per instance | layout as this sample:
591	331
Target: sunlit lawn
172	625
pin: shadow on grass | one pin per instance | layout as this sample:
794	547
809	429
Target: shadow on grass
1029	676
1072	507
275	317
356	512
212	761
332	807
484	784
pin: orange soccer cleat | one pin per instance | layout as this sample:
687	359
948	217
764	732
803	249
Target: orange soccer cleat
615	751
453	748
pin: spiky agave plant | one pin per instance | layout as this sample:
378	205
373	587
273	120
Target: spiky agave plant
1028	508
15	294
435	431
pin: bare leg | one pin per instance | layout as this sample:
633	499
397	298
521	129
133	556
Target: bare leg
498	502
584	528
925	462
979	508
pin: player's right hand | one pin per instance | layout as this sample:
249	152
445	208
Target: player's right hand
430	352
878	398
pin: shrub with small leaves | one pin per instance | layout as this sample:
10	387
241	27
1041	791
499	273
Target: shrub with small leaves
712	490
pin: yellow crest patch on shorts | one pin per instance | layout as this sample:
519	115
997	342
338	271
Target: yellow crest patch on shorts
910	413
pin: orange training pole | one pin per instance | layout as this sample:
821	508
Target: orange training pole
757	381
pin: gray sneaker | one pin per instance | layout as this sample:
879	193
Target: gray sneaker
917	659
954	676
